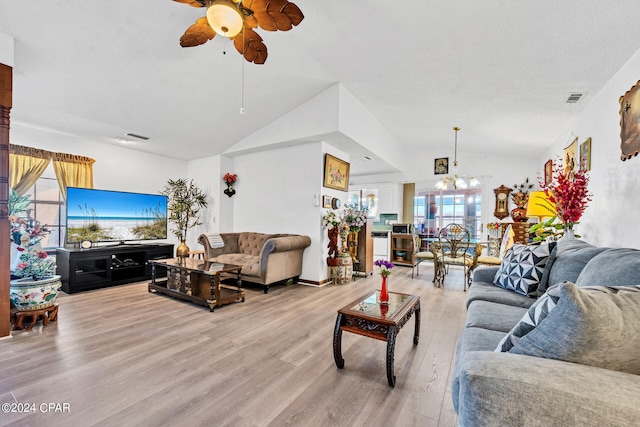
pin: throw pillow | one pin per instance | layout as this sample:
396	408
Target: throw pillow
593	325
523	267
532	318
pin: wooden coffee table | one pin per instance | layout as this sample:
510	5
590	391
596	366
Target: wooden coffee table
365	316
199	281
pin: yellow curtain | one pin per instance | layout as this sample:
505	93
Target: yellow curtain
26	165
72	171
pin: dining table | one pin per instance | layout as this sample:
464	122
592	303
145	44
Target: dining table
441	249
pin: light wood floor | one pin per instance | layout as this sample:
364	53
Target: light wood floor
122	356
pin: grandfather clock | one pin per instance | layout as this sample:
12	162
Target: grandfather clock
501	210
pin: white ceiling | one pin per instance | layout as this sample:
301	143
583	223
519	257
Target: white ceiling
502	70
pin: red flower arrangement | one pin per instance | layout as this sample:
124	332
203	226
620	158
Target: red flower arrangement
569	193
230	178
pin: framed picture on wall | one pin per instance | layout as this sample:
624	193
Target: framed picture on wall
629	119
336	173
326	202
585	155
570	158
441	166
548	172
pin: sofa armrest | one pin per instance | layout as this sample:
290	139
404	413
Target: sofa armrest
281	243
485	273
510	389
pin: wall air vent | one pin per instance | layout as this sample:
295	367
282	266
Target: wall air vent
133	135
574	97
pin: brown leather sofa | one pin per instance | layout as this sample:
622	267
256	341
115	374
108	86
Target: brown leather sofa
265	258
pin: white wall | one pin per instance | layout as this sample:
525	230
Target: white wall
6	50
609	220
275	194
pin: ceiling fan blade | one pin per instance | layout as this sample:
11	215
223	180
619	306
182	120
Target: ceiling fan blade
250	45
274	15
251	21
193	3
197	34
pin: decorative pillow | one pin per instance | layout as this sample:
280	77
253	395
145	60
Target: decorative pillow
532	318
522	268
592	325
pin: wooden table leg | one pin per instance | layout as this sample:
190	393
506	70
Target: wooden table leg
416	333
214	291
391	346
337	343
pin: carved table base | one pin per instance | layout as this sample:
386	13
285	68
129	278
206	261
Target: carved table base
368	318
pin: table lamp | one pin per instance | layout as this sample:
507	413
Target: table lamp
539	205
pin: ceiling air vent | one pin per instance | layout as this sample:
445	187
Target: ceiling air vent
133	135
574	97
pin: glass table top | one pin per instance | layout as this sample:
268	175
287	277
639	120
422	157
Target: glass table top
370	306
194	264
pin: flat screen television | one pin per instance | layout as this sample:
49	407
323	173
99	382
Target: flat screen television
114	216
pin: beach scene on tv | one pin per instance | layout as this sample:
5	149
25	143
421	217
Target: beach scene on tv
108	216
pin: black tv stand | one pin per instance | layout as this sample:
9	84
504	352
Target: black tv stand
99	267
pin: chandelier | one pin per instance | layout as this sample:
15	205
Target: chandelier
457	181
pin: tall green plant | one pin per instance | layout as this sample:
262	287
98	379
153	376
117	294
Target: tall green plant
184	202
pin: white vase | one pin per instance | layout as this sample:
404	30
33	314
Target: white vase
568	234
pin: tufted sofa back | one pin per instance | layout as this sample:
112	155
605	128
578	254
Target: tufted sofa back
252	243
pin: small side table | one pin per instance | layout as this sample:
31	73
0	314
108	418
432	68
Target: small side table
196	254
365	316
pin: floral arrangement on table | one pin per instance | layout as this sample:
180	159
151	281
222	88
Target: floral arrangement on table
520	193
385	267
330	220
354	217
568	191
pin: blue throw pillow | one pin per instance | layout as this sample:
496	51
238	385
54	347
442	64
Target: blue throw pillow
523	267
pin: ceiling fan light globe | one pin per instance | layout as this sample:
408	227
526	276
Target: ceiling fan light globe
460	183
225	18
474	182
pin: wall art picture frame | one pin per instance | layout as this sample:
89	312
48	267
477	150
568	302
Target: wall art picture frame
336	173
630	123
570	158
548	172
326	202
585	155
441	166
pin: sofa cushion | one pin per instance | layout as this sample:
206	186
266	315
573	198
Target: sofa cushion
620	266
593	325
493	316
532	318
483	291
523	267
250	264
571	257
252	243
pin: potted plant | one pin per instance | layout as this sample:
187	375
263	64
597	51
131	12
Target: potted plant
230	179
185	200
34	284
520	196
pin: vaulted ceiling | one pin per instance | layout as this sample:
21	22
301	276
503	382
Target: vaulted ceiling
502	70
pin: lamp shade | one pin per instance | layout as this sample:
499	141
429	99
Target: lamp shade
539	205
225	18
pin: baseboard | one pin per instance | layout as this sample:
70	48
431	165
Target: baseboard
316	284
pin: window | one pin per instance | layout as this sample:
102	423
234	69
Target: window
48	207
435	209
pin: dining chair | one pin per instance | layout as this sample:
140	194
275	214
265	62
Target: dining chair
453	248
507	242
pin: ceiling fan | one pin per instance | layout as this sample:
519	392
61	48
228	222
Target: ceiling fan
236	19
